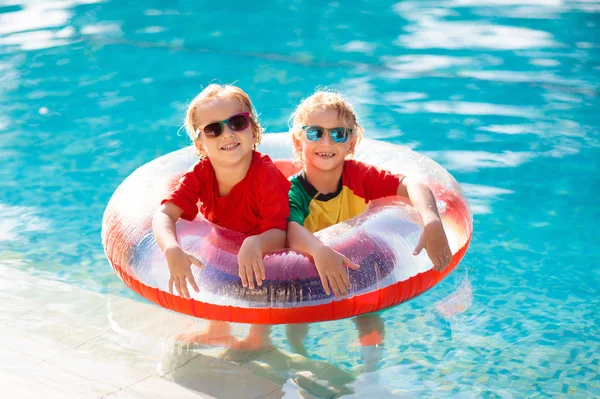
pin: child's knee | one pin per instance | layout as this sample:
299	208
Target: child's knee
369	322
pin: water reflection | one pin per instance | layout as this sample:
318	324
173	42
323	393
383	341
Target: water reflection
482	197
407	66
467	108
475	160
17	221
38	25
430	33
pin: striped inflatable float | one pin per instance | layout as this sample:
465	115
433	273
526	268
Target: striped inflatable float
381	240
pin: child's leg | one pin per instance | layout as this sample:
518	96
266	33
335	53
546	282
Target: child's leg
296	334
370	329
258	338
371	333
217	333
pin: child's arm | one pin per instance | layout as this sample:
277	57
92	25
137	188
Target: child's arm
330	263
433	238
250	255
179	261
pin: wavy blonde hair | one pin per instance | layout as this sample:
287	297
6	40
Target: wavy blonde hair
323	100
210	93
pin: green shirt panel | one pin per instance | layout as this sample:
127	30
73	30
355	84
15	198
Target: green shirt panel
299	201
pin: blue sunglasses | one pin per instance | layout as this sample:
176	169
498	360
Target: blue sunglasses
338	135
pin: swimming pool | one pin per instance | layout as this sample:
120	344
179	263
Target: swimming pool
502	93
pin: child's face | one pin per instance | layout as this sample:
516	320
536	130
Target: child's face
325	154
230	147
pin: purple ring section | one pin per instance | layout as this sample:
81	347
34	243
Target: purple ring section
291	280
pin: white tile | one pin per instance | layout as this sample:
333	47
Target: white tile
60	341
105	359
21	293
69	383
156	388
41	336
17	387
13	361
13	306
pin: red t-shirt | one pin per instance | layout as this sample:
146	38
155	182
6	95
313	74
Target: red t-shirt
259	202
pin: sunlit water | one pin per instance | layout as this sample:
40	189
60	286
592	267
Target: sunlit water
503	93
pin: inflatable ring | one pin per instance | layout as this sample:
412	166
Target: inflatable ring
381	240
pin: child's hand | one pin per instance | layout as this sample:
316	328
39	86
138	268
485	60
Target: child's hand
180	263
251	262
330	265
435	243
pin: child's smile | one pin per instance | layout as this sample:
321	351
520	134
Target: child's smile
230	146
326	154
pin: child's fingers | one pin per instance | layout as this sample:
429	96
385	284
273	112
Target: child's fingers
344	275
178	288
195	261
192	280
325	284
436	263
333	284
346	279
257	273
349	264
341	286
249	276
263	273
182	288
420	245
243	276
448	257
443	262
171	283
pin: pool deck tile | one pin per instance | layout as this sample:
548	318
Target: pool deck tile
61	341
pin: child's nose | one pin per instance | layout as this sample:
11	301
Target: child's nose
326	139
227	131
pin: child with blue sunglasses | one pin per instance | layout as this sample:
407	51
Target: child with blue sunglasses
332	188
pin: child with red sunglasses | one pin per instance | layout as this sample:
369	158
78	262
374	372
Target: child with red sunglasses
238	188
332	188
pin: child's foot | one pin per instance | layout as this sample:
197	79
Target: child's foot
242	356
255	343
217	334
296	335
299	348
206	338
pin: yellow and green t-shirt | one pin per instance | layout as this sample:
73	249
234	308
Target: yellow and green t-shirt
360	183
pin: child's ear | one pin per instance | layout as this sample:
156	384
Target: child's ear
352	145
199	147
297	143
255	136
254	133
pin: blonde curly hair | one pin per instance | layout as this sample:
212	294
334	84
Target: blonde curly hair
323	100
209	93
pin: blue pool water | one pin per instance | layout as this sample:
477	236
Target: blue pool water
503	93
